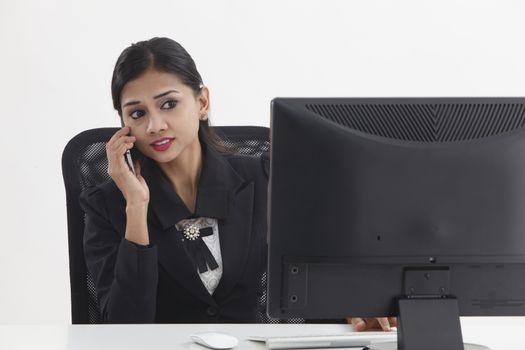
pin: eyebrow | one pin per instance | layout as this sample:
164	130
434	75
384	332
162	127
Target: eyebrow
154	97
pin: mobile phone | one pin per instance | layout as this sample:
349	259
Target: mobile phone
127	155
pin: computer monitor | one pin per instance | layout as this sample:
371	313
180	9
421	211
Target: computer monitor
408	207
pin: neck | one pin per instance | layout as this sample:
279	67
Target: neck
184	172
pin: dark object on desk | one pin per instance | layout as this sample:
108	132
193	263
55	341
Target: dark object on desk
410	207
84	164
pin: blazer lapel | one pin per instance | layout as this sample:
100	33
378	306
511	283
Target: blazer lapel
235	234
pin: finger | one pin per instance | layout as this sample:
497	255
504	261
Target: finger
116	157
358	323
128	138
125	131
127	146
120	132
383	322
123	148
393	321
117	142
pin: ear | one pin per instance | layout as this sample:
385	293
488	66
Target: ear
204	101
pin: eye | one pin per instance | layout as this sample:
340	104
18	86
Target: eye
169	104
137	114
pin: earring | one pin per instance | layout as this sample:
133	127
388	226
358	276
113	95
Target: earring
203	116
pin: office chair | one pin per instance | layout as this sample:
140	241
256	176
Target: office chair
84	164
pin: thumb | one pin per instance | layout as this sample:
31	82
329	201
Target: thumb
136	165
138	172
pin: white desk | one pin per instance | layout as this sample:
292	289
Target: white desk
499	333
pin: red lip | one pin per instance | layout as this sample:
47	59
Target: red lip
161	148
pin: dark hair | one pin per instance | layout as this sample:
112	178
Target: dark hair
165	55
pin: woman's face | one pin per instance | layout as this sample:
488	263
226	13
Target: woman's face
163	114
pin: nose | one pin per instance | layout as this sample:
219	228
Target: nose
156	124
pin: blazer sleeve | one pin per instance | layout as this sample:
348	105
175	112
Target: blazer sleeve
125	275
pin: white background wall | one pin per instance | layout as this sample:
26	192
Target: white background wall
56	59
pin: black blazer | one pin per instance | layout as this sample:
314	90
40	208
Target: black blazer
159	283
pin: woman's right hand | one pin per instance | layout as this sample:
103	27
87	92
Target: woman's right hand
370	323
132	186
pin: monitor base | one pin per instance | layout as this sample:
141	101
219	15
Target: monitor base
393	346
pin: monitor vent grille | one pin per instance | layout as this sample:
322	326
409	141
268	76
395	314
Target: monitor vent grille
426	122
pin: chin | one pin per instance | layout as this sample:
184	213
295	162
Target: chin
164	158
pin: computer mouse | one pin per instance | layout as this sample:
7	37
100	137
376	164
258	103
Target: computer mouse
215	340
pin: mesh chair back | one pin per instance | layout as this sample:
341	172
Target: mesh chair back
84	164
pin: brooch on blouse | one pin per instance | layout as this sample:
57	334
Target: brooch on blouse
198	251
191	232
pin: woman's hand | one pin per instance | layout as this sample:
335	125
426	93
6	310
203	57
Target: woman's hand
132	186
369	323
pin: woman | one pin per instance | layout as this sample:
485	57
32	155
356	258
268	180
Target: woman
183	238
152	238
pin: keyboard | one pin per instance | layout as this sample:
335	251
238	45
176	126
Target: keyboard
312	341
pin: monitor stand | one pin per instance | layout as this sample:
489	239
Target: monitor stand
428	315
429	324
393	346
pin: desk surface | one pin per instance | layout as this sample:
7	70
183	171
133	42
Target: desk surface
499	333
